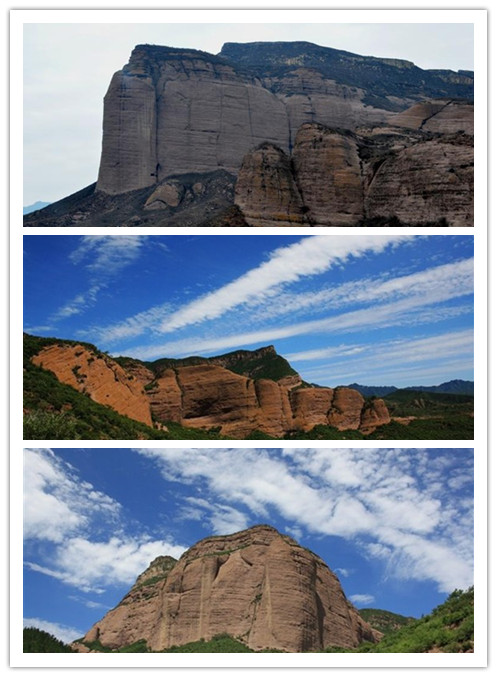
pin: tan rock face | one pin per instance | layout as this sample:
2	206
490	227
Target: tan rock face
446	117
342	178
328	174
257	585
171	113
100	377
207	395
266	191
428	181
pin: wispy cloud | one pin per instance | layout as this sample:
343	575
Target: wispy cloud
106	255
61	509
56	503
310	256
392	502
450	350
103	257
362	600
63	632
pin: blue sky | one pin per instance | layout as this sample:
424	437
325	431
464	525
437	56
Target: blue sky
368	308
63	97
396	525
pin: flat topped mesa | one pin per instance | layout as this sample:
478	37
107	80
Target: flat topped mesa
257	585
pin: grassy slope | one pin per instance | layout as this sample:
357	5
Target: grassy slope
448	629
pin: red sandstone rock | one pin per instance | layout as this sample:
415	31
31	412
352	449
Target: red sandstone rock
257	585
98	376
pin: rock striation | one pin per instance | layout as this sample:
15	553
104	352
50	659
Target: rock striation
237	393
370	177
277	134
98	376
257	585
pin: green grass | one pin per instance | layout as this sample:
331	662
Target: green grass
449	629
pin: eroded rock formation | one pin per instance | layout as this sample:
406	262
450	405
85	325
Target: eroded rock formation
257	585
300	128
207	395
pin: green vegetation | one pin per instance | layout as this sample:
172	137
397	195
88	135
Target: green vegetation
448	629
39	641
422	403
257	364
218	644
384	621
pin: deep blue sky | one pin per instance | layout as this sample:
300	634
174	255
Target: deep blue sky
366	308
396	525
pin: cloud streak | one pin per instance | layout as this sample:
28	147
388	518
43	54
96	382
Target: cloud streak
384	499
310	256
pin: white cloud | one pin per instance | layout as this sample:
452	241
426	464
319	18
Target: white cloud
107	255
56	503
65	633
362	600
409	311
222	519
382	498
452	351
117	561
311	256
62	509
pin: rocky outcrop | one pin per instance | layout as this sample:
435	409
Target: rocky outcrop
257	585
266	191
177	111
445	117
206	395
429	181
328	173
97	376
372	177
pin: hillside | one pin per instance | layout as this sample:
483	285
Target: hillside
448	629
74	391
39	641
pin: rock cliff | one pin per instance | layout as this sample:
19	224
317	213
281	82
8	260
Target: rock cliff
239	392
286	122
257	585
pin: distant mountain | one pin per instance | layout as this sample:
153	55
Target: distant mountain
456	387
34	207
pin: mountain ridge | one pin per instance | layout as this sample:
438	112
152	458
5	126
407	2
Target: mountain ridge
180	125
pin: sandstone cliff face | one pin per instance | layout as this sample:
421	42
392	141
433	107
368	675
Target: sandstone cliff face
175	111
440	183
446	117
328	173
266	190
344	179
206	395
257	585
98	376
182	126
